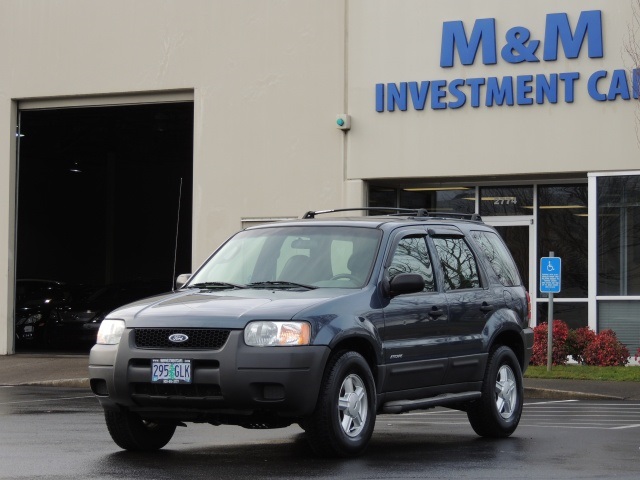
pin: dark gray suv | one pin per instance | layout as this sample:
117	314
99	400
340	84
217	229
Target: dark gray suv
324	322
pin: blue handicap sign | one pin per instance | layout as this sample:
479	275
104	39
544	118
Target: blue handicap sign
550	274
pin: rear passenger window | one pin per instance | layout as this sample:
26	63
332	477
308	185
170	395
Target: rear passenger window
412	256
458	263
499	257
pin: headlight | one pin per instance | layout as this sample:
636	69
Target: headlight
110	332
35	318
285	334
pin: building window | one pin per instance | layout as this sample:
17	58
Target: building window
619	235
503	201
562	229
380	197
456	199
622	317
574	314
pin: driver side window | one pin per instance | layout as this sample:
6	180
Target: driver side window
412	256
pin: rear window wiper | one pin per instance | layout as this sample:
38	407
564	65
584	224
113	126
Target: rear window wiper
278	284
215	285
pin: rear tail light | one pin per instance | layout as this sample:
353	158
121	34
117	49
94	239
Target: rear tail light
528	309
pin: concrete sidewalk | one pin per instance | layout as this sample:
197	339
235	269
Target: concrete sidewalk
68	370
64	370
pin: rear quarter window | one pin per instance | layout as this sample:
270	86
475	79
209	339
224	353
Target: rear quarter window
499	257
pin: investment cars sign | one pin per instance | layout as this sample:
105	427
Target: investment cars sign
520	45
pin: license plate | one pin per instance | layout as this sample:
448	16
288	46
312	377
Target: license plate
170	370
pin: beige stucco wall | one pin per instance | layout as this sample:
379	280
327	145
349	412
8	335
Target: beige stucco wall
268	78
395	42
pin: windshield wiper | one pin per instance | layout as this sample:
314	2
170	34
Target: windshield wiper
278	284
216	285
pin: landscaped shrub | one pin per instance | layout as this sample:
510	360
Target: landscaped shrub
559	353
586	347
577	342
606	351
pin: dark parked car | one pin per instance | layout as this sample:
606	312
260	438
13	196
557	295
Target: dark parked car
35	300
324	323
56	314
76	323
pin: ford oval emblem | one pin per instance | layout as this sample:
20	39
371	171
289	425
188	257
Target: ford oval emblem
178	338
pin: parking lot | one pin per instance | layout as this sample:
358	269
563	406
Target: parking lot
558	414
55	433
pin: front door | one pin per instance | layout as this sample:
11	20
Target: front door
416	324
519	235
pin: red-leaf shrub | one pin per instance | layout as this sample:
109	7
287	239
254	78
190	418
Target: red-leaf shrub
606	351
577	342
559	353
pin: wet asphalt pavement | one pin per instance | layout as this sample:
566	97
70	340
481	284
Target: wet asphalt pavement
59	433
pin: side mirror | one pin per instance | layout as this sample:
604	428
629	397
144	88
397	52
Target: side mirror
182	279
404	283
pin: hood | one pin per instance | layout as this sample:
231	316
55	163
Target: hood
228	309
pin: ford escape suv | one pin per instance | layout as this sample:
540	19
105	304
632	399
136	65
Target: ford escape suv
324	322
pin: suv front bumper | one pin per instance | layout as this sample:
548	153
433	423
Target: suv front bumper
234	380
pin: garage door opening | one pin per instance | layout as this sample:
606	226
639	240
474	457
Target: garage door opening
104	215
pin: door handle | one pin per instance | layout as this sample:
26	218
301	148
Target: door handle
435	312
486	307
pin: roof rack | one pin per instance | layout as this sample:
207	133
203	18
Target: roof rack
474	217
409	212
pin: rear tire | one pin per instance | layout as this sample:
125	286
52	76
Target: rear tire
345	415
130	432
497	413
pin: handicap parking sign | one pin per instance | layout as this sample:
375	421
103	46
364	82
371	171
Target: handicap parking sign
550	274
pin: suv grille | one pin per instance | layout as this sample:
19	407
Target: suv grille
199	338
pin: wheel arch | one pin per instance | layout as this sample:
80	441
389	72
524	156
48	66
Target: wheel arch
512	339
362	346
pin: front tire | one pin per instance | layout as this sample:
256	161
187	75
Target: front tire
130	432
497	413
345	415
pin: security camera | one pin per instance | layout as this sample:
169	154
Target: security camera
343	121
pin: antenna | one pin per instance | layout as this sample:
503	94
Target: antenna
175	252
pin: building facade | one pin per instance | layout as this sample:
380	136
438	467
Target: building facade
523	112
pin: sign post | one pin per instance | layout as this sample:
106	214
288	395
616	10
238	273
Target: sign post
550	282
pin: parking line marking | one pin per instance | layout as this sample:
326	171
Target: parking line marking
550	402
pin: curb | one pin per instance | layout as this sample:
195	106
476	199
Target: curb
546	393
64	383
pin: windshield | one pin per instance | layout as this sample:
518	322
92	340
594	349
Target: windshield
293	257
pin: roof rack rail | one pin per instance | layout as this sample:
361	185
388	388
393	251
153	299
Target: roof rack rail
474	217
417	212
409	212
